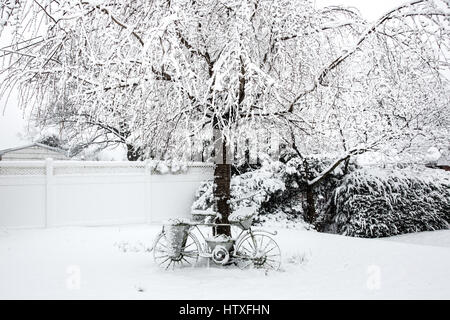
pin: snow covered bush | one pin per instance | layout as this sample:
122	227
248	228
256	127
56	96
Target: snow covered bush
249	189
353	201
275	189
374	203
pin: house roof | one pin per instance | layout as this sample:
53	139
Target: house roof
36	144
444	160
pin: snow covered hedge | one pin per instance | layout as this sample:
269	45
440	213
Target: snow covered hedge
378	203
360	202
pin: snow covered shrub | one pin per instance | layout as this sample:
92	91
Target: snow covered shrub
258	186
261	189
251	188
204	197
378	203
276	189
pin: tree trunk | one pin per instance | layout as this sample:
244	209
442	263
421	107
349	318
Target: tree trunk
247	151
310	197
310	205
133	154
222	179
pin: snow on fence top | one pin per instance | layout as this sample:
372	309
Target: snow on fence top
25	168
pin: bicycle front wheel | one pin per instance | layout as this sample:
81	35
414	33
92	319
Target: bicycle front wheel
258	250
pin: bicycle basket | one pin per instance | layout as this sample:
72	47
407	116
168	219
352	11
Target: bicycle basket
176	235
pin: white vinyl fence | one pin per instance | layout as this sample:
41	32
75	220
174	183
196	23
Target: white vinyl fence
57	193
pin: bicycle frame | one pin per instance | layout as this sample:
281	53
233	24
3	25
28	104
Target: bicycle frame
242	234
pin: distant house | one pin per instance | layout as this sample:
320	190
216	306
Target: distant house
34	151
444	162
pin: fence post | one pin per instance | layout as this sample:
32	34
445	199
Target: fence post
48	189
147	191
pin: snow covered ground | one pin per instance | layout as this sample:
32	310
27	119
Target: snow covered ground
111	262
439	238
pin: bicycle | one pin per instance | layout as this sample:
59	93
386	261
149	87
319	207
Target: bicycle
177	246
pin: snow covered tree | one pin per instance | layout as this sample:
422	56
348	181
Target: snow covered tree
158	75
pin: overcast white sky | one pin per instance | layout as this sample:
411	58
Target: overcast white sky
12	123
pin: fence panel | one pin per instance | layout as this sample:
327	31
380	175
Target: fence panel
58	193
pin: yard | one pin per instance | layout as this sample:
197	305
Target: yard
112	263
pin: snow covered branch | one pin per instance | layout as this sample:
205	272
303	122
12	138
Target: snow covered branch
429	11
334	165
172	71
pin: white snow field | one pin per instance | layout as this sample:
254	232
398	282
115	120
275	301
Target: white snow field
111	263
